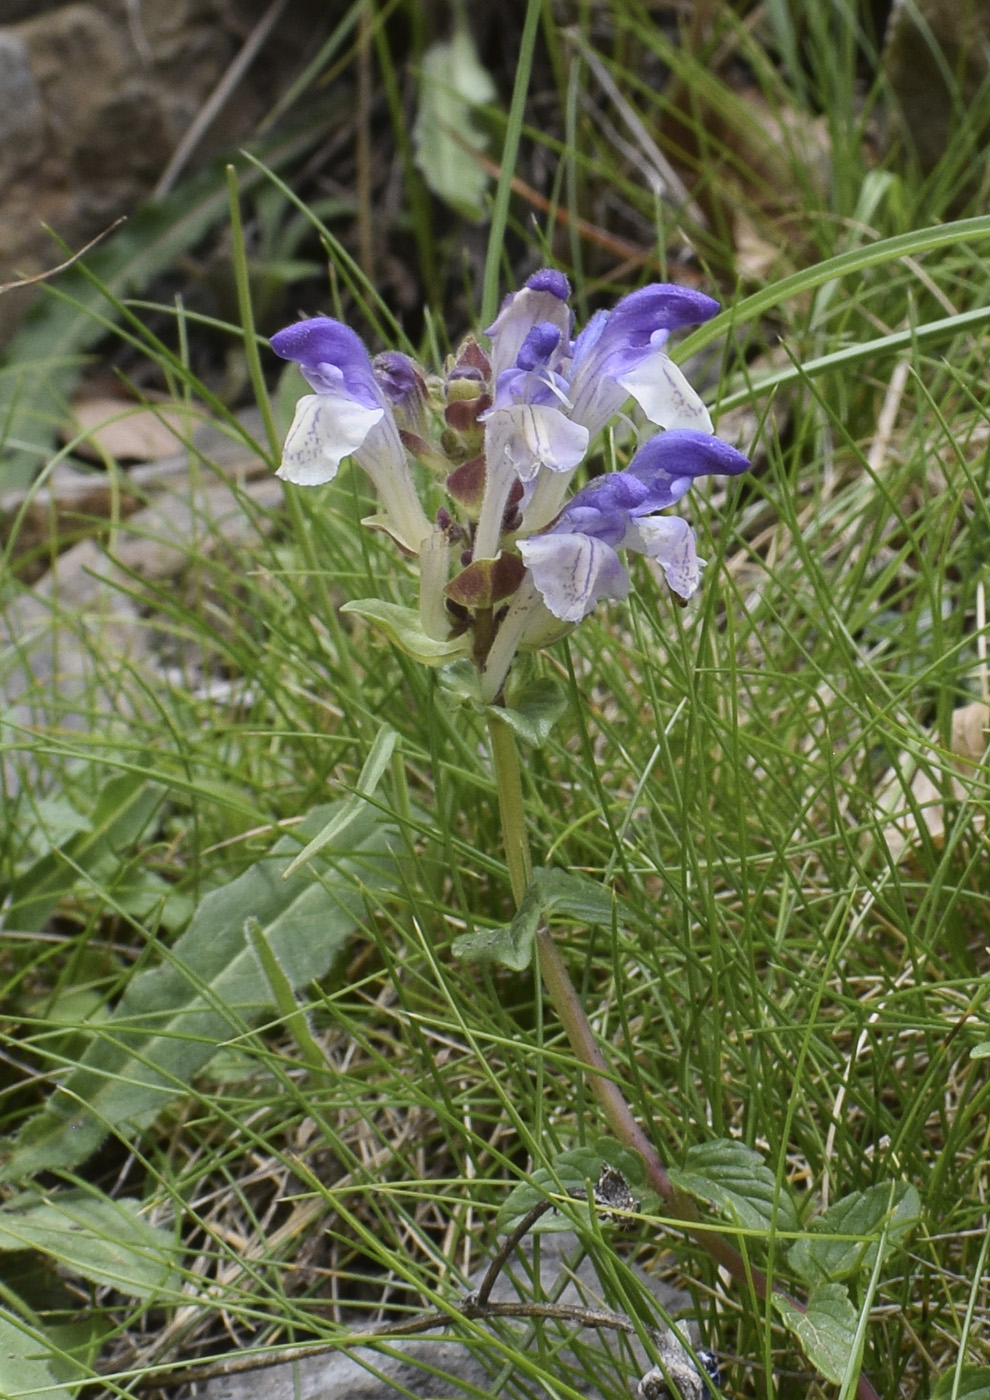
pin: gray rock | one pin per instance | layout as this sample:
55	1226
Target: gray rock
21	118
95	97
372	1374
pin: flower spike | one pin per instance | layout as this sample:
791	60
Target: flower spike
515	558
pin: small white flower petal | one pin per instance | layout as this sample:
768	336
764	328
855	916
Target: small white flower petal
671	542
326	428
664	395
534	436
572	572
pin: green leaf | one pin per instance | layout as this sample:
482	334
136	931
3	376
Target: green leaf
108	1242
552	891
403	629
968	1383
736	1180
22	1371
337	827
511	945
535	710
844	1241
574	895
827	1331
126	805
452	83
173	1018
52	821
571	1172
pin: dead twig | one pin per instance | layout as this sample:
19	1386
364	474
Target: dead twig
53	271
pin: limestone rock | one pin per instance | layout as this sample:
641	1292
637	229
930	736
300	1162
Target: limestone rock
96	95
402	1368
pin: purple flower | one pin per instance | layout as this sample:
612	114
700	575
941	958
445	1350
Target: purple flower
528	428
507	429
543	300
349	415
553	395
575	563
621	354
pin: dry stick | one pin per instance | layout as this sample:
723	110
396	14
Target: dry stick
476	1307
53	271
470	1310
565	1001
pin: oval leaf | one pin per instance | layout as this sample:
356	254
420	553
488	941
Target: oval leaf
453	83
403	629
845	1239
22	1372
534	710
973	1384
173	1018
735	1179
572	1171
826	1332
106	1241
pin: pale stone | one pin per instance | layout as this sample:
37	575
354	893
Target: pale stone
352	1374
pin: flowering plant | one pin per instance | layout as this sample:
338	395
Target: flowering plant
511	560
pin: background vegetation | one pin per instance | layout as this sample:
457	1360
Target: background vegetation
247	1112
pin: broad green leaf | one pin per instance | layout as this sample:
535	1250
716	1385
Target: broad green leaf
968	1383
552	891
571	1173
574	895
173	1018
735	1179
452	83
338	825
845	1239
510	946
826	1332
106	1241
23	1372
53	820
284	997
123	810
535	710
403	629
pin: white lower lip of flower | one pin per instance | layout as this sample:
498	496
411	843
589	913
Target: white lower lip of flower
665	396
325	429
670	541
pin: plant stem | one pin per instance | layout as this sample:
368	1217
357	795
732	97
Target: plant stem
565	1001
512	809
